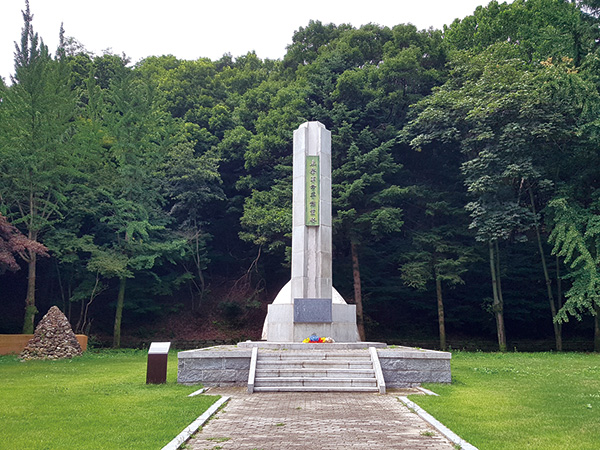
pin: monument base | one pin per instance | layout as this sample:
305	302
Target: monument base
282	327
229	365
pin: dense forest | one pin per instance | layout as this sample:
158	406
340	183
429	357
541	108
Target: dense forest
154	199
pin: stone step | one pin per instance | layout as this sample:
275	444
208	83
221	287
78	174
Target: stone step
314	355
303	364
314	389
314	382
318	373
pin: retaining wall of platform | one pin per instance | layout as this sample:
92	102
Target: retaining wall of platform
216	366
15	343
411	368
227	365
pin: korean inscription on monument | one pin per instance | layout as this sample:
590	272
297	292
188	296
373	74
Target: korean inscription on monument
312	191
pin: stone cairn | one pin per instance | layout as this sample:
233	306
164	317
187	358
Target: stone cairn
53	338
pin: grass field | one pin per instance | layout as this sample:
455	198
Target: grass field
100	401
521	400
97	401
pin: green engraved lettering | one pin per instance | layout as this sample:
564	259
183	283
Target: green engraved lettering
313	191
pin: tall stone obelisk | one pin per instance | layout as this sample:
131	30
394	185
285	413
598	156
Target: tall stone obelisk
311	223
309	304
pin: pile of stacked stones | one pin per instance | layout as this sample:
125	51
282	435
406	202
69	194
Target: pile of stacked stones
53	339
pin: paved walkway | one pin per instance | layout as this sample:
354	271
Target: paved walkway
315	421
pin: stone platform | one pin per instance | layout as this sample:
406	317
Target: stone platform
309	346
229	365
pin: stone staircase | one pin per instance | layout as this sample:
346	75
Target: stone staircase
314	370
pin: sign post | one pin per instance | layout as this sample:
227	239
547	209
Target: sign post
158	355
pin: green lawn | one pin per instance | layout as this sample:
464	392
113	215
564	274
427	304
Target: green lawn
521	400
100	401
97	401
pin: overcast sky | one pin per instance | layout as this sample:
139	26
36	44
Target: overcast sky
190	29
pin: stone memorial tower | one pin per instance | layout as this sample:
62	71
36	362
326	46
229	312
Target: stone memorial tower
309	304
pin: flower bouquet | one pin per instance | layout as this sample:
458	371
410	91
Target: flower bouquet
314	339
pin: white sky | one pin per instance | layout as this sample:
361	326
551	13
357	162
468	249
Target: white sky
190	29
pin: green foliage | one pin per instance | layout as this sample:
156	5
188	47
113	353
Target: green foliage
38	161
37	158
538	29
175	174
307	41
512	106
439	254
365	199
576	238
269	217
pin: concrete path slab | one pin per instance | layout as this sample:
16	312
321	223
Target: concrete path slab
316	420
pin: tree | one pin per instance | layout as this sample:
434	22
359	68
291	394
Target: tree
438	252
193	185
70	239
130	235
576	238
267	216
307	41
501	120
38	163
538	29
365	200
13	242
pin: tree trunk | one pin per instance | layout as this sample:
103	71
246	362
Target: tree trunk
440	305
79	325
357	292
557	327
559	302
497	305
597	329
119	314
558	284
62	292
83	322
500	296
30	309
198	262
